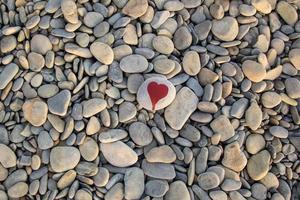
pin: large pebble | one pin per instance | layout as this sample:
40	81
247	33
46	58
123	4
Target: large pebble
208	180
118	154
178	112
191	63
93	106
8	43
225	29
253	116
135	8
35	111
270	99
63	158
162	154
102	52
222	126
253	70
287	12
279	131
255	143
258	165
8	157
182	38
36	61
134	64
89	149
159	170
163	44
112	135
69	10
59	103
8	74
134	183
294	58
140	133
156	93
40	44
18	190
292	87
156	188
177	191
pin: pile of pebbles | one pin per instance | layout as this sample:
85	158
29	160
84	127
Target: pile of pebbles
149	99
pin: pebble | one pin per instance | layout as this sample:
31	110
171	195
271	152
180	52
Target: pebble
225	29
63	158
191	63
7	74
177	191
293	55
158	170
208	180
156	188
134	183
262	6
59	103
255	143
140	133
83	194
40	44
8	43
91	19
102	52
292	87
258	165
287	12
253	116
18	190
93	106
127	111
270	99
69	10
44	140
254	71
35	111
222	126
89	149
36	61
8	158
178	112
118	154
134	64
135	8
156	93
182	38
112	135
279	131
161	154
234	158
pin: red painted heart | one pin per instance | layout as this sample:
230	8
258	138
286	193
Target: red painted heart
156	92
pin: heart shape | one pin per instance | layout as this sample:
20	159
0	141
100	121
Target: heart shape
157	92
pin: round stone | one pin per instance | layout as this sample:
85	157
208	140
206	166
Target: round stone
287	12
8	158
69	10
36	61
91	19
89	149
102	52
18	190
178	191
208	180
156	93
225	29
262	6
118	154
182	38
102	177
63	158
279	132
163	44
35	111
40	44
164	66
253	116
59	103
258	165
156	188
140	133
191	63
234	158
133	64
270	99
292	87
253	70
294	54
135	8
8	43
162	154
82	194
255	143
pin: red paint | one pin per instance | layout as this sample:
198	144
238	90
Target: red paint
156	92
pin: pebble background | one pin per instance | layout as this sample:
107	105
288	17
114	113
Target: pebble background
76	121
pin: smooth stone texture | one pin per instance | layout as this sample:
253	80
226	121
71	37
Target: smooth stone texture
45	141
40	44
89	149
182	38
263	6
93	106
102	177
294	58
279	131
35	111
91	19
158	170
140	133
18	190
253	70
134	183
135	8
112	135
223	126
63	158
59	103
143	96
83	194
178	112
292	87
36	61
191	63
156	188
67	179
8	43
234	158
225	29
177	191
102	52
258	165
163	44
127	111
118	154
287	12
161	154
255	143
133	64
69	10
8	157
253	116
208	180
8	74
270	99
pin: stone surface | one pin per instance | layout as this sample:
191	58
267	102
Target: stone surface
8	158
253	71
140	133
162	154
63	158
35	111
135	8
177	191
40	44
258	165
134	64
8	74
102	52
225	29
279	131
93	106
59	103
234	158
287	12
89	149
223	126
134	183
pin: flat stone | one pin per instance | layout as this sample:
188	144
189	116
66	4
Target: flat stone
177	191
292	87
8	158
44	140
40	44
102	177
83	194
255	143
156	93
8	43
91	19
156	188
191	63
253	70
69	10
159	170
202	29
259	191
178	112
18	190
133	64
112	135
239	107
270	99
127	111
293	57
140	133
262	6
118	154
59	103
135	8
89	149
67	179
223	126
287	12
258	165
93	106
182	38
134	183
7	74
225	29
93	126
102	52
208	180
270	181
253	116
159	18
35	111
164	66
161	154
163	44
63	158
115	193
36	61
234	158
279	131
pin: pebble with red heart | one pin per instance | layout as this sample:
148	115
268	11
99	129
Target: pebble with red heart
156	93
